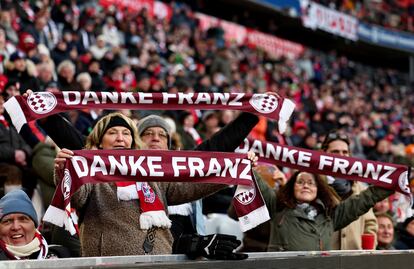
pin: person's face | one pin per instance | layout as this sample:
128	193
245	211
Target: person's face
410	228
189	121
338	147
305	189
85	84
13	90
385	232
382	206
155	138
117	137
20	65
67	73
17	229
45	74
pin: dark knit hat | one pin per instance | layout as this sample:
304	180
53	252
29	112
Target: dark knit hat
154	121
118	121
17	201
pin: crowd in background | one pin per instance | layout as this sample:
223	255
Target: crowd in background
79	46
392	14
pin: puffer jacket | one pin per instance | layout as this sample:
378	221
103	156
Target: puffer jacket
292	230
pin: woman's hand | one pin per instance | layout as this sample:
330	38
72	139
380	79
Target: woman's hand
252	157
61	158
27	93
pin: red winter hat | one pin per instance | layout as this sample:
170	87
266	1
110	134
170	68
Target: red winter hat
3	82
26	42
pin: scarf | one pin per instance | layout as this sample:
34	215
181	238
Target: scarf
20	252
386	175
194	134
152	210
155	166
310	211
42	104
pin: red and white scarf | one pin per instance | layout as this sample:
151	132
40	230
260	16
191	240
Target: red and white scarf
42	104
154	166
23	252
386	175
152	210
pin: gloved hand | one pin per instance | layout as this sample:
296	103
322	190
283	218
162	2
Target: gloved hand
214	246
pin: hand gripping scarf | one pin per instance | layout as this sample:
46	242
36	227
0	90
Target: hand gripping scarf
142	166
42	104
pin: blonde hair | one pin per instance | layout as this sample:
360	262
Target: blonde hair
93	141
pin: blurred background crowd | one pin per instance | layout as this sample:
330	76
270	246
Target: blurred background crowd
81	46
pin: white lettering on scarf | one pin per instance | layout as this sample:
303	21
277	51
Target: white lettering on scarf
204	98
74	98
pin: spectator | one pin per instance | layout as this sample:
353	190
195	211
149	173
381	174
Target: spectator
305	212
6	24
95	71
348	237
20	71
19	238
86	36
45	76
257	239
120	131
405	234
14	154
99	49
66	76
385	234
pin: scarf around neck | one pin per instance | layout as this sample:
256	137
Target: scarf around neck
152	210
21	252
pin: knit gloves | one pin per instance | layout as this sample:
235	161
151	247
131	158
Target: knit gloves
213	246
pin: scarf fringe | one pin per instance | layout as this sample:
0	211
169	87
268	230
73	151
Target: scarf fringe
254	218
156	218
60	218
13	108
285	112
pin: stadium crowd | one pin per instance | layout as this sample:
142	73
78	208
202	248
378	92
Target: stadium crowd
80	46
391	14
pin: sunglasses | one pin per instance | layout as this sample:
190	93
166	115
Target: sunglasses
334	136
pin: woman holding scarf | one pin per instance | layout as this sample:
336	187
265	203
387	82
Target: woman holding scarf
19	237
306	211
116	219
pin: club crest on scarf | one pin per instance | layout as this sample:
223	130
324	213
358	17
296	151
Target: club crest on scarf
246	197
149	195
42	102
67	182
403	182
264	103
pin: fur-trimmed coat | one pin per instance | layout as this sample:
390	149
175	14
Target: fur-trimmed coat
109	227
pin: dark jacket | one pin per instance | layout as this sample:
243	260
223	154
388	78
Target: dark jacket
292	230
110	227
27	82
404	239
10	141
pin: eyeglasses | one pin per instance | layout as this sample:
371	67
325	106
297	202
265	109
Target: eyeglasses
334	136
162	135
302	182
